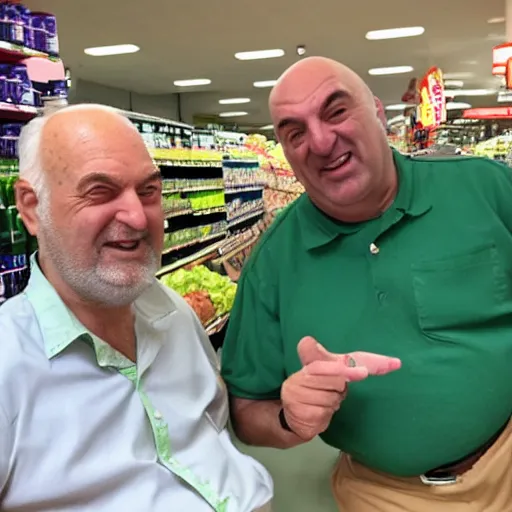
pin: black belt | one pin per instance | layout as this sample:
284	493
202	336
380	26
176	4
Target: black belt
448	473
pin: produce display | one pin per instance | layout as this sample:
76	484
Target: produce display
245	173
181	184
206	200
217	289
201	303
188	235
238	207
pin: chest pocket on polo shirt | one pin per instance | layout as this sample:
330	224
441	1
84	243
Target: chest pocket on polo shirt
218	409
460	292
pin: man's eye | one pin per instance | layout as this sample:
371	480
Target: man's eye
149	191
338	112
295	136
99	192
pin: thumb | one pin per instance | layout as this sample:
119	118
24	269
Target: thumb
310	350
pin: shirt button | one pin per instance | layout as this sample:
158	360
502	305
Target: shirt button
158	415
374	249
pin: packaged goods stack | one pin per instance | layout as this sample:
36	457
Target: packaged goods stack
24	36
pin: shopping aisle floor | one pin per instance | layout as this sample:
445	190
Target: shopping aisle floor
301	476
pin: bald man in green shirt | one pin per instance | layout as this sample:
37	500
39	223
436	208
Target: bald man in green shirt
376	311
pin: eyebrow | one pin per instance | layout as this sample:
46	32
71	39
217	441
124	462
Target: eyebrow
100	177
333	97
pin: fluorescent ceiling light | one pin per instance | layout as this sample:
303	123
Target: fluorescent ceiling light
233	114
394	33
470	92
118	49
457	105
464	75
192	82
494	21
267	127
397	107
265	83
453	83
260	54
234	101
391	71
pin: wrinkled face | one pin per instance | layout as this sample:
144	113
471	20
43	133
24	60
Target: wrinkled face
334	141
102	227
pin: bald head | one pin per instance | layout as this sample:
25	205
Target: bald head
68	133
46	142
303	78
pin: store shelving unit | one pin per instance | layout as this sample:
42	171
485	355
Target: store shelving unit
15	242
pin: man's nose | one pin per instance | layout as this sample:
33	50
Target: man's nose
131	212
321	140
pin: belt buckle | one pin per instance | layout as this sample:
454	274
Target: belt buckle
437	481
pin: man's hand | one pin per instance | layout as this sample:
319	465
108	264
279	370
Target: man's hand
311	396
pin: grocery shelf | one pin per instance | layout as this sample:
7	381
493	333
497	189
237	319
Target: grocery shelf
192	189
243	189
217	325
246	216
235	251
17	112
190	211
203	254
194	242
10	52
189	163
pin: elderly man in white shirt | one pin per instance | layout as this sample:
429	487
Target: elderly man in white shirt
110	394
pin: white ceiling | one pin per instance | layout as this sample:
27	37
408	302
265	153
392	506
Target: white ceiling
182	39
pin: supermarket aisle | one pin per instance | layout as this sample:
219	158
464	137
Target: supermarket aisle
301	476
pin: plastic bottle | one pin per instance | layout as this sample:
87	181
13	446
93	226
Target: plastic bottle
52	38
21	86
5	84
38	32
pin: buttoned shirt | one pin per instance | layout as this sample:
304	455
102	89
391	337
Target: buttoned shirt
84	428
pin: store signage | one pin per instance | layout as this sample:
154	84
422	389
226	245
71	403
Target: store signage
432	107
488	113
500	56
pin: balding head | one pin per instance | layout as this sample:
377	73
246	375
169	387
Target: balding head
303	78
46	143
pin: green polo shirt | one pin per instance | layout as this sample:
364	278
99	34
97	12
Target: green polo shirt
429	281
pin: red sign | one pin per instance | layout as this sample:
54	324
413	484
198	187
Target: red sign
432	107
500	56
488	113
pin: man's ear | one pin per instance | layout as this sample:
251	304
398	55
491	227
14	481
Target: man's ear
381	113
26	203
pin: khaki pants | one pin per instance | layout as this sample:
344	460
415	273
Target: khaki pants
487	487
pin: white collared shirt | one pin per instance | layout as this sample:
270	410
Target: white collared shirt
84	429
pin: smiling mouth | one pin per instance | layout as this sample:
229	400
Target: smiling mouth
124	245
339	162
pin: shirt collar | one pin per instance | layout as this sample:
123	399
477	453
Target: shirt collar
60	327
318	229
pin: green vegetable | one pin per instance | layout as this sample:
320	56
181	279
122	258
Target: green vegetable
221	289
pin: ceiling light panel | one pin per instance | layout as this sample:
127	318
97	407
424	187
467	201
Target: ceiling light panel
192	82
259	54
453	83
233	114
471	92
394	70
118	49
397	107
265	83
234	101
394	33
457	105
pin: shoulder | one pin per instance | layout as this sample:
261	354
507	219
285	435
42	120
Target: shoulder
189	321
276	238
22	351
473	167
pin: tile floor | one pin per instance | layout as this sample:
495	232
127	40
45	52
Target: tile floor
301	476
